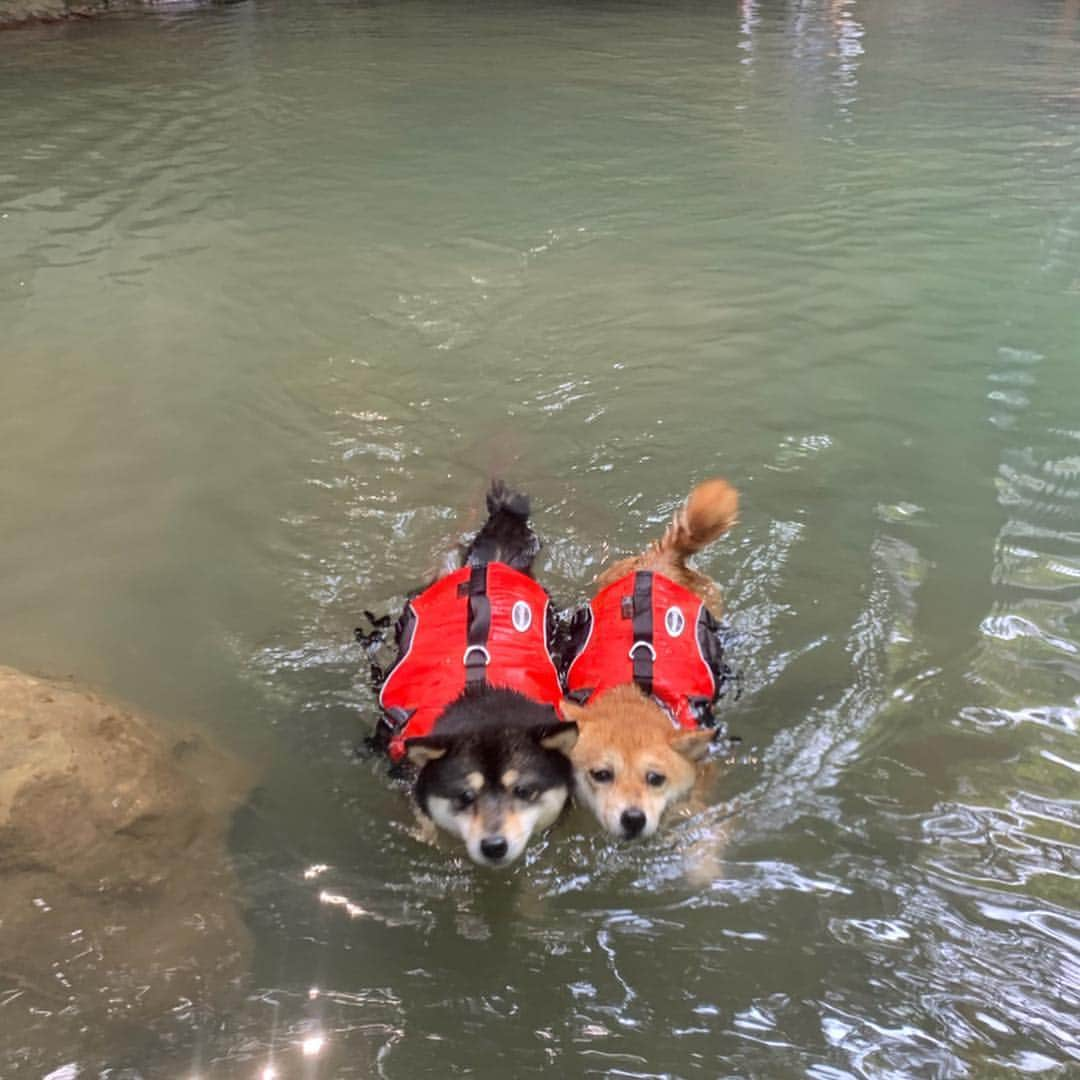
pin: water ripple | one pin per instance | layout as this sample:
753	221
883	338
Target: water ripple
282	285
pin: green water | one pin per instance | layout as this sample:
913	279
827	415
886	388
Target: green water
282	284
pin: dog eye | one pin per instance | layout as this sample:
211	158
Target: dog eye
602	776
526	792
466	798
656	779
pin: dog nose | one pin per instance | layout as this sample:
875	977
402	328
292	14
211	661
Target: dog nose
494	847
632	821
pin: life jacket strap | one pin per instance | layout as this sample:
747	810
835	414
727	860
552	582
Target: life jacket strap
476	656
642	652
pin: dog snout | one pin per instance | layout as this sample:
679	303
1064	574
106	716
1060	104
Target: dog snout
494	847
632	821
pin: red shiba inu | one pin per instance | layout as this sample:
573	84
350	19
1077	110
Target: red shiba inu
647	670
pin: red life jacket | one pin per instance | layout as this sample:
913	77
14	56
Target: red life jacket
646	629
479	624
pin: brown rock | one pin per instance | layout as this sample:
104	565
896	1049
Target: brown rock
118	910
22	12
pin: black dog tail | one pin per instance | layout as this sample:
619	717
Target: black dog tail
501	500
506	536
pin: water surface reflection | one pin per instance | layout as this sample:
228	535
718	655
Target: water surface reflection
283	284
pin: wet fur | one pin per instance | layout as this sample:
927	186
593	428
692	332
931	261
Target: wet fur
506	536
626	732
708	512
630	736
496	765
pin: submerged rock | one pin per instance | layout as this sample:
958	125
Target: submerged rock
118	911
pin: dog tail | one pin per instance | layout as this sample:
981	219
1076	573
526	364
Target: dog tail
501	500
506	536
709	511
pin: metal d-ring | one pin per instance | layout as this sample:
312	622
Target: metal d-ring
476	648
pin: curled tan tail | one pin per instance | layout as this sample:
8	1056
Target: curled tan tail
709	511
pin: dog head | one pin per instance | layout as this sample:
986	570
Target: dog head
495	786
630	762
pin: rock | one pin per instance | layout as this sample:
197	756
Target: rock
118	910
14	12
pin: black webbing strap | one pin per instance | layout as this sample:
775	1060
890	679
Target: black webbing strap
641	652
476	654
398	717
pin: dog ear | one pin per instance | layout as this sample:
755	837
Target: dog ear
692	745
421	750
558	736
572	711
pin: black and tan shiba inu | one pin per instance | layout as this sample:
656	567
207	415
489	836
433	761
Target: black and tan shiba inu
471	700
494	772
